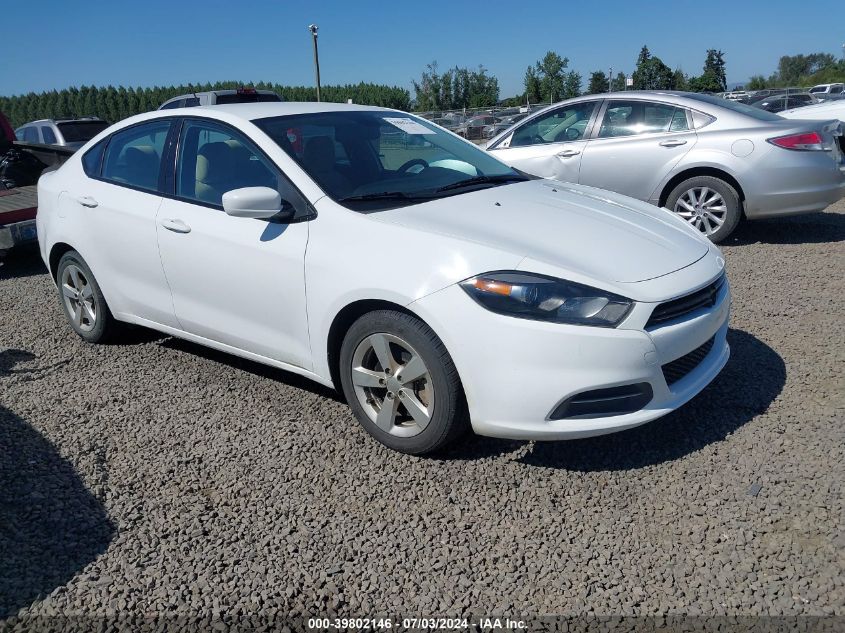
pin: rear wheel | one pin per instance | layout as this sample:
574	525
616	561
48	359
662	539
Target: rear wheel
82	300
401	383
709	204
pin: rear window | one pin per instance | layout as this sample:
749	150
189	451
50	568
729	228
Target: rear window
81	131
741	108
247	97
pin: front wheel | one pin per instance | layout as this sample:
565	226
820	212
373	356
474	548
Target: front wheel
401	383
709	204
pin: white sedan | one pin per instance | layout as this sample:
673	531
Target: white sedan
373	251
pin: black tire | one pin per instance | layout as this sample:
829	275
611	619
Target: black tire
449	417
733	205
105	327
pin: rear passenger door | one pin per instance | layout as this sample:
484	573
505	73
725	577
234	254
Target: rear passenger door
635	145
116	206
236	281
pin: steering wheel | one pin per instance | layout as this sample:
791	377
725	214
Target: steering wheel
411	163
569	134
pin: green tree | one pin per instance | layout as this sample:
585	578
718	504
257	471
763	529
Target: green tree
713	79
550	72
651	72
572	85
620	82
680	81
757	82
598	83
533	90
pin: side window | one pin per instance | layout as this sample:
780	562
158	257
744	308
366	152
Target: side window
173	104
133	156
93	158
30	134
568	123
629	118
191	102
679	121
47	133
214	159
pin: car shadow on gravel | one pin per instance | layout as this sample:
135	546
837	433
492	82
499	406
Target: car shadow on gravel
749	383
51	526
257	369
815	228
24	261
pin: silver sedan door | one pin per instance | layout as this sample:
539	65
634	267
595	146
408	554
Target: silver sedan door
551	144
637	143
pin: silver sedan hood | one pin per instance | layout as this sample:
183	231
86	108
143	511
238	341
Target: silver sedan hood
592	232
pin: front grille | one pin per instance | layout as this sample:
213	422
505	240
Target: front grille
680	367
677	308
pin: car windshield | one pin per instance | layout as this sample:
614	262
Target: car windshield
372	160
742	108
81	131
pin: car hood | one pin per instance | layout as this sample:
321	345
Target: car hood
592	232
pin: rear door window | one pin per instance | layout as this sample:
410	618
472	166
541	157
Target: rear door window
631	118
133	156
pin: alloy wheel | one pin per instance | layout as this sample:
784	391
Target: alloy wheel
79	298
393	384
702	207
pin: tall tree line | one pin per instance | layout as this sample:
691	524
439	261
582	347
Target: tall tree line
454	89
114	104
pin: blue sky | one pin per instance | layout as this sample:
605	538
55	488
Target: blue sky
57	43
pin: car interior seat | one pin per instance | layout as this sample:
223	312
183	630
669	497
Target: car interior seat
320	161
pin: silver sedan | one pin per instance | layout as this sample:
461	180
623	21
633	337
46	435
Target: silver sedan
709	160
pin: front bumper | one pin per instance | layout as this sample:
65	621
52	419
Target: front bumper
515	372
18	233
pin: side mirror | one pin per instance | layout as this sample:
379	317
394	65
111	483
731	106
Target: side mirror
256	202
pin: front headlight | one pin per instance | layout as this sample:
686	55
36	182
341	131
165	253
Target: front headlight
532	296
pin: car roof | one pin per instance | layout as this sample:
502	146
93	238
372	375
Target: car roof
263	110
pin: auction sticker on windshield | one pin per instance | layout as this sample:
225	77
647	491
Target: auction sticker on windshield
409	126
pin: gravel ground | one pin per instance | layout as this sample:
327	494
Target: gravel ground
157	477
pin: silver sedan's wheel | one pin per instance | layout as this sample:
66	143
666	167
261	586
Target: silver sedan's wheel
393	384
702	207
78	295
708	204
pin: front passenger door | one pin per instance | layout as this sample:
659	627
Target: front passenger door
550	145
235	281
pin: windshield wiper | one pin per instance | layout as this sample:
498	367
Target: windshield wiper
384	195
482	180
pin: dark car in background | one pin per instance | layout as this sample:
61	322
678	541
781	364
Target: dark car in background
783	101
473	128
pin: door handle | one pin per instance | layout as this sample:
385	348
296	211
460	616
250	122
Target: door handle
673	143
87	201
568	153
176	225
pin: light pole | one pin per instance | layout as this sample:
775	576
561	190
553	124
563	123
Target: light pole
313	28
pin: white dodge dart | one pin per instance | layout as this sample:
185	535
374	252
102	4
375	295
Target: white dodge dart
371	250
